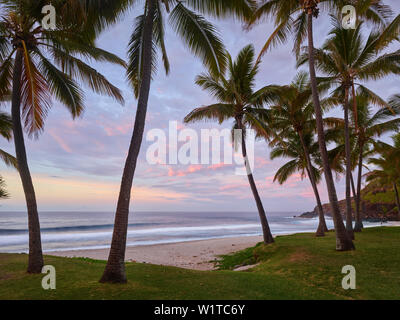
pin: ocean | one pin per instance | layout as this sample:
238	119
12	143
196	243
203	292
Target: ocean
93	230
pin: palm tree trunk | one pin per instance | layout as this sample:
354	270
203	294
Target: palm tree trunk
358	224
115	268
349	215
322	228
35	262
343	242
396	192
353	187
268	238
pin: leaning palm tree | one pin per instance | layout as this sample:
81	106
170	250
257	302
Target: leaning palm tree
296	16
387	172
147	37
294	148
35	65
292	117
346	59
237	100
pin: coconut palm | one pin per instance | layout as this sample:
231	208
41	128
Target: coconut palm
387	172
371	126
238	100
296	16
294	148
147	38
347	59
292	117
35	65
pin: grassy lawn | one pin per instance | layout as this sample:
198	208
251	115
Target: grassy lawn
295	267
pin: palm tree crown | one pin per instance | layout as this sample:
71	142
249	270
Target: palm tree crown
51	65
199	35
290	17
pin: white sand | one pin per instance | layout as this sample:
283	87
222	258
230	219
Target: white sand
191	255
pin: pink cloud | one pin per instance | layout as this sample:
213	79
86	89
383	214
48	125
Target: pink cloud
193	169
60	141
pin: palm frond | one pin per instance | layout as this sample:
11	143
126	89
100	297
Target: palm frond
201	37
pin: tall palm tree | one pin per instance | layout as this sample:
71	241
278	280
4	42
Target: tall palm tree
292	117
147	38
36	65
371	126
346	59
387	172
237	100
296	16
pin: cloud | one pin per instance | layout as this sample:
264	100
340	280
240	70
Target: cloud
88	155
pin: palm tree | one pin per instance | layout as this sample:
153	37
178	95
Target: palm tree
237	100
346	59
304	11
387	172
371	125
147	37
36	65
8	159
292	117
294	148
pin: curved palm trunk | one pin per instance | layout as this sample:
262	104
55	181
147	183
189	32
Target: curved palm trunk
268	238
349	215
35	262
115	268
343	241
322	228
353	187
358	224
396	192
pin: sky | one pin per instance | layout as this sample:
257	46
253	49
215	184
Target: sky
77	165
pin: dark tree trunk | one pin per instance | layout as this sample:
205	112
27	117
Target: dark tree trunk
343	241
35	263
353	187
268	238
322	228
349	214
358	224
115	268
396	192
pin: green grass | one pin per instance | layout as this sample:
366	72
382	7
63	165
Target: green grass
295	267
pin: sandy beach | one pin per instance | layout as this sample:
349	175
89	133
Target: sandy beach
191	255
197	255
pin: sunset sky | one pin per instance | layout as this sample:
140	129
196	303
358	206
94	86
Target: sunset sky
77	165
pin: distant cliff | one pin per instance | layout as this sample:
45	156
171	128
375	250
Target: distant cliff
378	203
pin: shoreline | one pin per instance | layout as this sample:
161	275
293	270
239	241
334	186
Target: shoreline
196	255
